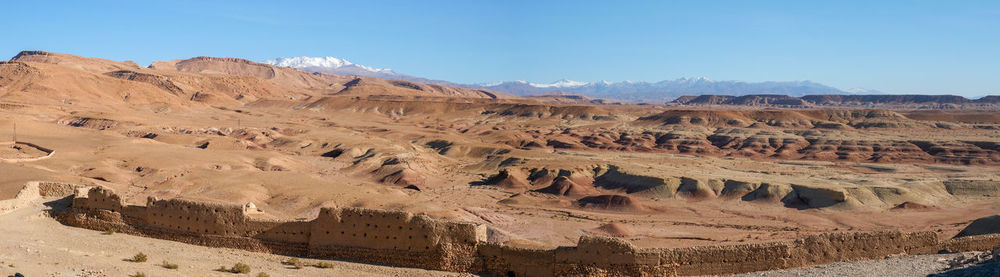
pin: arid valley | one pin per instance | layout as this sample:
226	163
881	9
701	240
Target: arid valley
288	154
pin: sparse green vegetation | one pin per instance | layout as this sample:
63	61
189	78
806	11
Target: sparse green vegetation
294	262
109	231
262	274
323	265
169	265
138	274
238	268
138	258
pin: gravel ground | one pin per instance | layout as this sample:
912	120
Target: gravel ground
957	264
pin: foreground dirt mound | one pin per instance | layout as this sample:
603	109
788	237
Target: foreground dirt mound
611	202
983	226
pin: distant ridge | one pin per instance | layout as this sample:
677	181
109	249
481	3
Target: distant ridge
690	91
652	92
778	100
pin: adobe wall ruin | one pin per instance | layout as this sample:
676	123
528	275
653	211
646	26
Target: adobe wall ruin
405	239
388	237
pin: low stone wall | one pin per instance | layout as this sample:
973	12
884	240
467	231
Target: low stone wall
405	239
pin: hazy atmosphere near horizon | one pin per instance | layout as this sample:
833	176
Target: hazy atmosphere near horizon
915	47
500	138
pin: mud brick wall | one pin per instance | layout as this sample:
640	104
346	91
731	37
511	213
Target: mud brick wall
387	237
404	239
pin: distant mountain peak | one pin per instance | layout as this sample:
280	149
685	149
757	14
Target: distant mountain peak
638	91
561	83
305	62
334	65
694	79
862	91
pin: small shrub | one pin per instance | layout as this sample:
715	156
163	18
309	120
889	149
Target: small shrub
109	231
237	268
294	262
262	274
169	265
138	274
240	268
323	265
138	258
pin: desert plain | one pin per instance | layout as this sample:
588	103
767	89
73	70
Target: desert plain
533	172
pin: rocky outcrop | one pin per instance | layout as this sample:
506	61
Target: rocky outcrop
983	188
88	122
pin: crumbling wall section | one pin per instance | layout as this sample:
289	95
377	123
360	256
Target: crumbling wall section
99	198
838	247
706	260
378	235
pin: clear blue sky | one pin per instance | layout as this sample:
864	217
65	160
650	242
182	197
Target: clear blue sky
893	46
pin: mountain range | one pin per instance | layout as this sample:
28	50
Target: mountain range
652	92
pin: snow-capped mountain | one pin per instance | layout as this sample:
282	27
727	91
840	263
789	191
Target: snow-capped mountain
563	83
661	91
863	91
323	62
333	65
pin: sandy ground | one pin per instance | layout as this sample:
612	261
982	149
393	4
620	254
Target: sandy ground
921	265
34	244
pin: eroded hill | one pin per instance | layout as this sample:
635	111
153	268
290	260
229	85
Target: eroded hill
538	172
